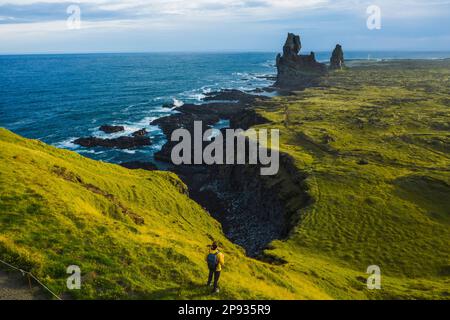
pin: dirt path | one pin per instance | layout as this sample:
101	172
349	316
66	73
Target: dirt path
13	286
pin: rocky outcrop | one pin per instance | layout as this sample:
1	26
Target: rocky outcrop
118	143
246	119
296	70
140	133
168	105
234	95
251	214
183	120
111	129
337	58
253	209
225	104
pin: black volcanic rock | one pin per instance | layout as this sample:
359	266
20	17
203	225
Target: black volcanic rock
247	119
165	153
292	46
140	133
295	70
222	110
111	129
184	120
233	95
225	104
118	143
337	58
168	105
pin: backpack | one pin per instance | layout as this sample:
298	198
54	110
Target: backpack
213	260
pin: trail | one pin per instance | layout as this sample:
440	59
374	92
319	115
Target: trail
14	286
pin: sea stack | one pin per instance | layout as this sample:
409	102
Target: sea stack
294	69
337	58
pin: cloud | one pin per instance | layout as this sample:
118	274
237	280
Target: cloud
22	11
201	22
40	12
92	10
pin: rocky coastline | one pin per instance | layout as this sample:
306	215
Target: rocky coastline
249	206
253	209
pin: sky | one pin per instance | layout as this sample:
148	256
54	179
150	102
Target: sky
50	26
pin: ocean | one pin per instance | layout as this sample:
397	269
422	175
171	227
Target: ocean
58	98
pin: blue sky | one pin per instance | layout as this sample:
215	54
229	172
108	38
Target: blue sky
29	26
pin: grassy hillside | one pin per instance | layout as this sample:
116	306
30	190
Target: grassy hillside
135	234
374	143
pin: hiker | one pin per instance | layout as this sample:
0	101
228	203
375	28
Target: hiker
216	261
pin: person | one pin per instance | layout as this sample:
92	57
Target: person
216	261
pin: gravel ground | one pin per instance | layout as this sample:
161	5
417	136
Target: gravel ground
13	286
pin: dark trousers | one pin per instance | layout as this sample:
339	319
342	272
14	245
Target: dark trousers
216	275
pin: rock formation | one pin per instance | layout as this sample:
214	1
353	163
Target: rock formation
294	69
337	58
140	133
119	143
111	129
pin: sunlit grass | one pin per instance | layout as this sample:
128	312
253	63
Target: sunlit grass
376	147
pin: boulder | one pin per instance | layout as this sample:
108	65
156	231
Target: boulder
111	129
140	133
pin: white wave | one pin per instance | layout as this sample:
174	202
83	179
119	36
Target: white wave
129	128
214	133
198	96
135	105
177	103
206	89
90	151
155	147
221	124
128	151
67	144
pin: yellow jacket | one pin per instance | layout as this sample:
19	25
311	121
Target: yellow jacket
221	258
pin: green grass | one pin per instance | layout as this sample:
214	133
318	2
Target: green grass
58	208
373	142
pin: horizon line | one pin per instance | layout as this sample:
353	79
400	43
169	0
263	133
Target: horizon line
210	52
